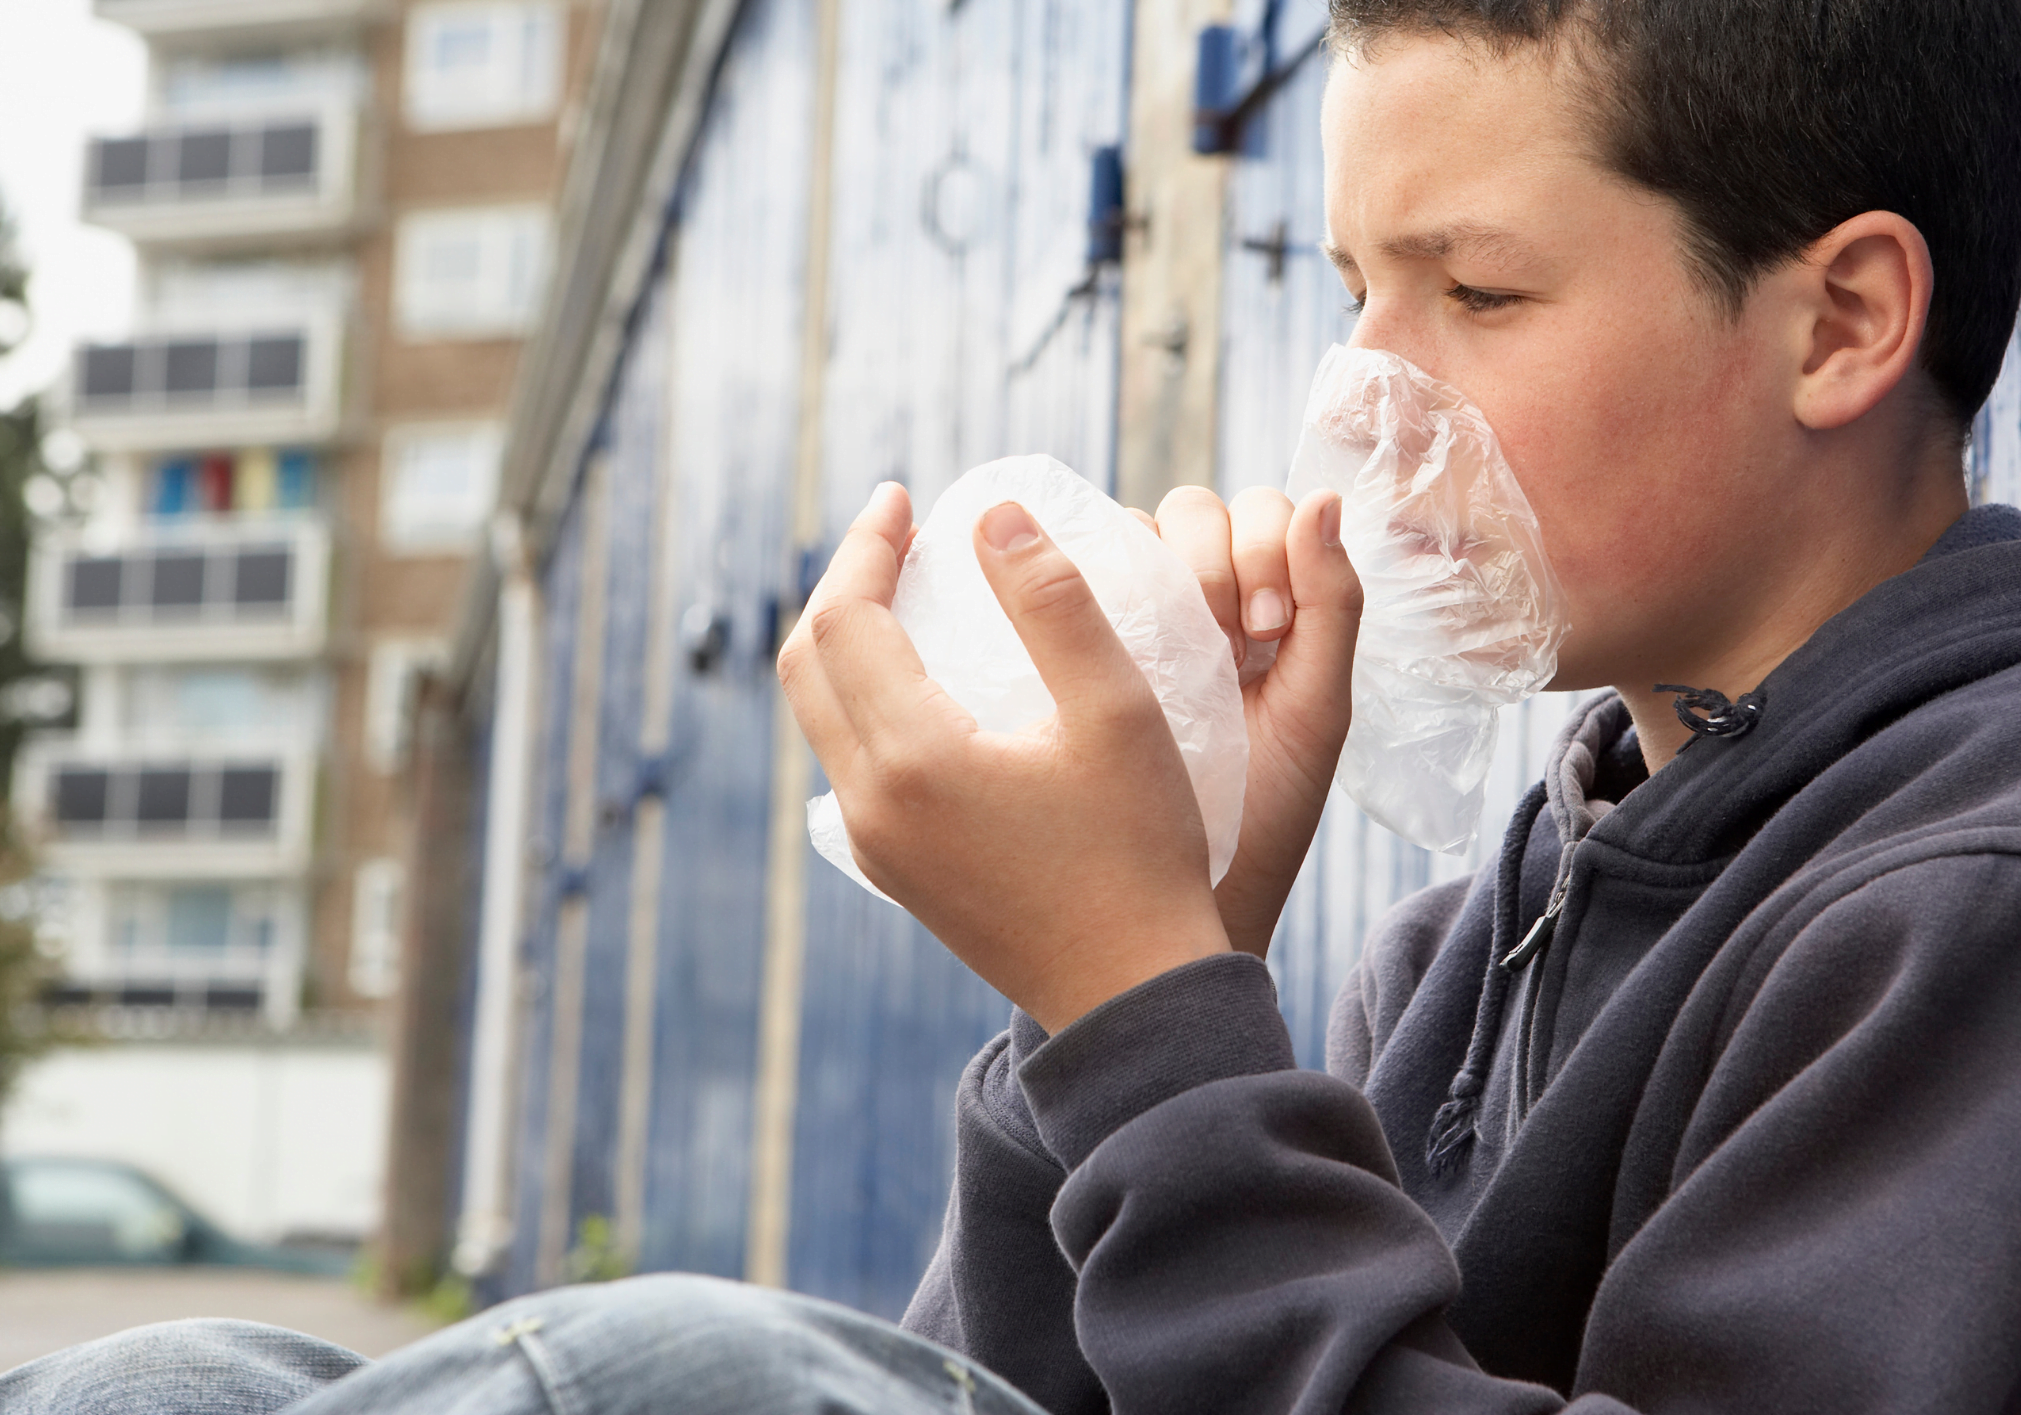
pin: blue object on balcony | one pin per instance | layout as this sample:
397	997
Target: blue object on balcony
297	481
174	488
1105	207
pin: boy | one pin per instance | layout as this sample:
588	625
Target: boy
1705	1096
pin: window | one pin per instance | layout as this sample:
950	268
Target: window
437	486
215	704
243	84
472	274
208	943
389	692
482	65
375	928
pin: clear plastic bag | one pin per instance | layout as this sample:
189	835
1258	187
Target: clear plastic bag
968	646
1462	615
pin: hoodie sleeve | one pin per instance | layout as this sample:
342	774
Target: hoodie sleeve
1839	1233
998	1289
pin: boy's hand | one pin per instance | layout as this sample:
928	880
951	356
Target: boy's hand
1065	863
1273	574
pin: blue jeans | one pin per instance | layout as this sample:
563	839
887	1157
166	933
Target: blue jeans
670	1343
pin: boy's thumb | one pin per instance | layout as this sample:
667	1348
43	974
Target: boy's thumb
1074	647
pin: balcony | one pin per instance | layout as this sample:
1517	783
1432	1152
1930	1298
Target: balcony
223	186
126	816
212	21
254	589
181	390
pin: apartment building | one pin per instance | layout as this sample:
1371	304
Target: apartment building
343	212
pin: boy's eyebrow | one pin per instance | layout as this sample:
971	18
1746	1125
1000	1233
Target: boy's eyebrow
1462	238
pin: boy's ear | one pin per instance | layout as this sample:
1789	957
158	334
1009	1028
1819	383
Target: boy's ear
1864	291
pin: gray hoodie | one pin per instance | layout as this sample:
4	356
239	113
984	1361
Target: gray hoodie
1744	1136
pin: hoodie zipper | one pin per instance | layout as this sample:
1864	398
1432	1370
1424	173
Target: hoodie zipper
1546	928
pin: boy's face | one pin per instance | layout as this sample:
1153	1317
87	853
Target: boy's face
1649	430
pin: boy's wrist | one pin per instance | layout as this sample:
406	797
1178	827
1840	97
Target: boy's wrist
1086	978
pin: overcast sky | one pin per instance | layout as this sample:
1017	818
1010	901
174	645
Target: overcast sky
63	74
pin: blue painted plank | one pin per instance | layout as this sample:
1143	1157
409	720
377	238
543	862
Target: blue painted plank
735	314
1994	460
965	136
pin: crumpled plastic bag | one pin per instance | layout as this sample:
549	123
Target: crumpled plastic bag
1462	614
968	646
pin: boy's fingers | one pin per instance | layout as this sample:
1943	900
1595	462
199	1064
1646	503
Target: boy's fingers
815	707
1258	520
872	549
1149	521
869	666
1316	661
1070	639
1192	520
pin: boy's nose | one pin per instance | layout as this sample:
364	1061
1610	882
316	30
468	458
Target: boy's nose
1383	325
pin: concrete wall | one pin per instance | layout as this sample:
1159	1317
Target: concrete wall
267	1140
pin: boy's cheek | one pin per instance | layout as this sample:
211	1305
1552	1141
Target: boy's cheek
1624	474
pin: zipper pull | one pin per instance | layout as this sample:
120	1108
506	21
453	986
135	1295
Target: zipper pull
1536	940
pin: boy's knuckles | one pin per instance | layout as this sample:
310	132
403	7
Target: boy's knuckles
1051	588
907	777
834	621
1260	504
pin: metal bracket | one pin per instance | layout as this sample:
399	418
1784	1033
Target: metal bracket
1235	73
1275	247
1107	219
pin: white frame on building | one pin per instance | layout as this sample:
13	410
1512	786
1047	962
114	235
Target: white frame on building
482	64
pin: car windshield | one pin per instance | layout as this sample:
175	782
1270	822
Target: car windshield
85	1213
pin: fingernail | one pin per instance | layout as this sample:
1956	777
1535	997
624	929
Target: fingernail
1266	611
1329	523
1008	527
1239	642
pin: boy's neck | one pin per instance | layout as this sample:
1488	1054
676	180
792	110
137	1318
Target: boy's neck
1844	559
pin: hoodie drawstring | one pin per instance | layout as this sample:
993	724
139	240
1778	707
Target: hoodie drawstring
1723	717
1454	1127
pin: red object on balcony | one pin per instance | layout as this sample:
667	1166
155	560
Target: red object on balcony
214	482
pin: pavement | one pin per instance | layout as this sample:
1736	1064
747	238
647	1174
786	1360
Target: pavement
45	1311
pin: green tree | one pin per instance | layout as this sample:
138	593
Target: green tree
22	967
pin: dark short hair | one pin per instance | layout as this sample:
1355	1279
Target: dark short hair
1770	122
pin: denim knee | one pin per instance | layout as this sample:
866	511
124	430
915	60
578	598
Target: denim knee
718	1347
211	1364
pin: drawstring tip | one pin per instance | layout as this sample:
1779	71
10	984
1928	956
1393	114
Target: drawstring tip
1453	1132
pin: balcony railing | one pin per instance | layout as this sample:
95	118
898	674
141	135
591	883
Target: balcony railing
131	815
236	590
180	801
227	19
223	185
263	386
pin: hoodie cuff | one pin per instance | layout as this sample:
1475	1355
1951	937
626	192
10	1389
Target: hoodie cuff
996	1084
1206	1021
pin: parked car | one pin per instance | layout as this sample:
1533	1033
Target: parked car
84	1212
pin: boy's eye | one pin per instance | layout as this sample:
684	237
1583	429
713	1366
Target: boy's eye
1480	301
